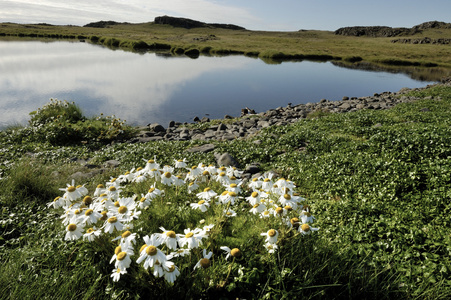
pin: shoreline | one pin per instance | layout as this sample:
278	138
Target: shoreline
250	123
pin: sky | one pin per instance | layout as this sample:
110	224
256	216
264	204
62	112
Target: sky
272	15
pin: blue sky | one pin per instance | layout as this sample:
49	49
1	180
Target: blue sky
284	15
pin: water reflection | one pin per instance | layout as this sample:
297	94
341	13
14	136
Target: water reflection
148	88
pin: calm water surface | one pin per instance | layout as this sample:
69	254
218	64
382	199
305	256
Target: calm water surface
150	88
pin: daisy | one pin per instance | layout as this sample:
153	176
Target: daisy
91	216
121	257
150	254
167	178
229	213
116	275
192	186
258	208
151	164
255	184
73	232
223	179
100	189
271	236
270	247
306	229
126	237
71	192
205	261
202	205
181	163
306	217
113	222
112	192
179	253
207	194
168	237
254	198
195	172
171	272
124	207
235	252
82	190
233	187
178	181
91	234
192	239
57	202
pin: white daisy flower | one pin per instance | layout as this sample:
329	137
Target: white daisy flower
91	234
170	272
116	275
202	205
271	236
168	237
205	261
306	229
149	253
235	252
73	232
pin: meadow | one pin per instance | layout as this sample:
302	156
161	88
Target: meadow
357	208
268	45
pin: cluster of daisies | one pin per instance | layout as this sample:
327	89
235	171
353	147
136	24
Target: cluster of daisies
107	213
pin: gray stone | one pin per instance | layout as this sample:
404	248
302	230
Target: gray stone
156	128
112	163
226	160
202	149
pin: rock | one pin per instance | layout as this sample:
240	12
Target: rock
156	128
196	119
222	127
112	163
171	124
226	160
202	149
252	168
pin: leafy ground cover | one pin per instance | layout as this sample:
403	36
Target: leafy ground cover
377	183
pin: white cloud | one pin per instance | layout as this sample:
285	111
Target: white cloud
82	12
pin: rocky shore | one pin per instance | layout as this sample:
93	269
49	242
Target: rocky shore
251	123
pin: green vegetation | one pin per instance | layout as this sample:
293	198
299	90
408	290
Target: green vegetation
377	182
303	44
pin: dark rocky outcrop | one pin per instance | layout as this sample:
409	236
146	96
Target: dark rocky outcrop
188	23
425	40
103	24
375	31
385	31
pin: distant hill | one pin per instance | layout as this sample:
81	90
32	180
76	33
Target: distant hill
103	24
188	23
385	31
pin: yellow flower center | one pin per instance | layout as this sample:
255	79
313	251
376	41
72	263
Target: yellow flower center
205	173
89	212
142	248
102	195
207	189
189	234
77	212
232	194
171	269
90	230
193	167
254	179
232	178
117	204
279	210
117	250
305	227
143	199
150	161
113	180
266	212
151	250
229	213
127	173
205	263
235	252
71	227
121	255
104	215
255	205
56	199
87	200
224	193
71	189
122	209
112	188
167	174
170	234
151	190
233	185
266	180
287	197
222	174
254	194
126	234
113	219
100	186
201	202
139	169
287	207
294	221
272	232
306	213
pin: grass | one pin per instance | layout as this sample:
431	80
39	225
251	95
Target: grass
303	44
380	196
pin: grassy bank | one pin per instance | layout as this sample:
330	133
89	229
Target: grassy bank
303	44
377	183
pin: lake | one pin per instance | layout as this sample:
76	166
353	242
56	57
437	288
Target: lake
157	88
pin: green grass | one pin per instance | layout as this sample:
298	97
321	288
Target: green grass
305	44
377	182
